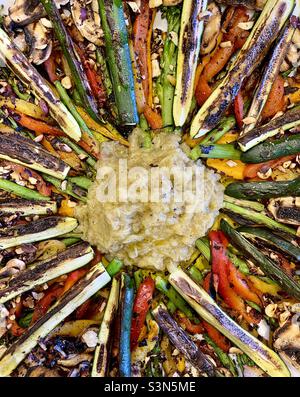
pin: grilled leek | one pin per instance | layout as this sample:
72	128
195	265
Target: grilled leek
37	274
42	229
288	120
265	31
19	64
189	47
101	356
206	307
24	151
27	207
269	75
182	341
94	280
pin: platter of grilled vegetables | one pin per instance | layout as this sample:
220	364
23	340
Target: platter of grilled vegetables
224	74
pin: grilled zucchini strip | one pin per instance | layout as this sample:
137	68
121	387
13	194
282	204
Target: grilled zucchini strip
189	47
101	357
207	308
19	64
267	28
24	151
269	76
27	207
37	274
94	280
42	229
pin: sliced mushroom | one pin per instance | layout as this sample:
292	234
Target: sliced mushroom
211	30
23	12
39	40
287	343
286	210
87	20
74	360
42	372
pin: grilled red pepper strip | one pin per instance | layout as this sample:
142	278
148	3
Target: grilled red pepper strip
220	266
213	333
14	327
239	109
140	309
140	35
43	305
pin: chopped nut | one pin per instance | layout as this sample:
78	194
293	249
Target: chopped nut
155	3
246	25
265	175
90	338
45	22
270	310
226	44
66	82
155	68
39	138
249	120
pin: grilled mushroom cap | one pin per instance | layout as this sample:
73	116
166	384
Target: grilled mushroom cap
87	20
23	12
39	40
287	342
211	30
286	210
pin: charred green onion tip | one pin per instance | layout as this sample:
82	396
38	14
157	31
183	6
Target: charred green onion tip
126	317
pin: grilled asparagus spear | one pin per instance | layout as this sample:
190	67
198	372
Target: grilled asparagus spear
37	274
42	229
94	280
267	28
19	64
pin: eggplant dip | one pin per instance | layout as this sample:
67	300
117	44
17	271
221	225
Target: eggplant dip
154	234
106	96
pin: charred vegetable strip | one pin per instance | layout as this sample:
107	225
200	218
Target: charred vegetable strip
258	217
114	267
215	151
119	61
27	207
42	229
102	352
288	120
165	89
81	181
126	302
37	274
275	240
69	52
21	191
188	51
273	150
94	280
267	265
182	341
70	189
20	65
257	45
252	4
24	151
263	190
141	307
25	107
269	76
164	287
206	307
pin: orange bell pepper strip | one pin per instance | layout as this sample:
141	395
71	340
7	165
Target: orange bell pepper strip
220	263
251	170
219	339
190	327
73	278
37	125
140	309
275	102
154	119
240	284
221	57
